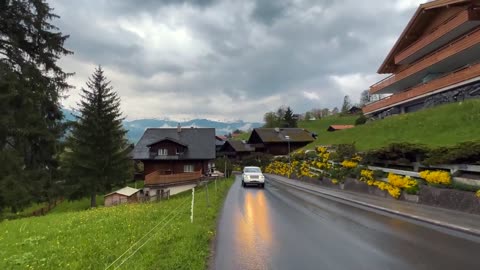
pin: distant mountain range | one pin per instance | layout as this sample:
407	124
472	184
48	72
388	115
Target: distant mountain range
137	127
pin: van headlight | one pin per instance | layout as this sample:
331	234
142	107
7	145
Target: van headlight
262	177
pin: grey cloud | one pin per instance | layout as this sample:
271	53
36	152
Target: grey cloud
256	49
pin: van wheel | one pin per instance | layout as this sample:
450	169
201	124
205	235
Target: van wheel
243	184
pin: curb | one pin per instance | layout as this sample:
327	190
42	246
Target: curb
386	210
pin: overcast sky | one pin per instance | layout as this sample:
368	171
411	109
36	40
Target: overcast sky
229	59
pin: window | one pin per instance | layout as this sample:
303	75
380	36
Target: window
162	152
187	168
180	151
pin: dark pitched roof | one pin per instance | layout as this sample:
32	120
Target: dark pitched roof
278	134
200	142
240	146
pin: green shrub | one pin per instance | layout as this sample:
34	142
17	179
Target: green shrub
343	152
462	153
362	119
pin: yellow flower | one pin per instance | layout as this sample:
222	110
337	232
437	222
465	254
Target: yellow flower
477	193
436	177
400	181
349	164
334	181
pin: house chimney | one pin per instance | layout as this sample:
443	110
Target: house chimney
179	128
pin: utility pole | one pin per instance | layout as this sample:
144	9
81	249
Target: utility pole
289	160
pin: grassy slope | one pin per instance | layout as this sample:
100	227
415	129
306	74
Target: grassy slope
440	126
84	204
93	239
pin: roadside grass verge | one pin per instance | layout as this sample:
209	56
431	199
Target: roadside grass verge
444	125
95	238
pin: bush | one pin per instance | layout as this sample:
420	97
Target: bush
343	152
362	119
257	159
397	152
462	153
220	165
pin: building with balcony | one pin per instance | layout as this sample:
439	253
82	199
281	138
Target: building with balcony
174	157
435	60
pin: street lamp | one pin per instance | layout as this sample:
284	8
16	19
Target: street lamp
289	162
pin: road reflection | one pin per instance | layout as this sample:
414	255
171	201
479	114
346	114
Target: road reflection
254	229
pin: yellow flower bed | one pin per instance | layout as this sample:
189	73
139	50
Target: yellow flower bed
367	176
436	177
334	181
401	181
349	164
477	193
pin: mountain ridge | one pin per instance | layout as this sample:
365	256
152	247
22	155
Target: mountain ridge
137	127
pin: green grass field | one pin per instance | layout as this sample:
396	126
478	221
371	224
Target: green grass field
439	126
95	238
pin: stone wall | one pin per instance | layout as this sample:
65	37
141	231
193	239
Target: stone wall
439	197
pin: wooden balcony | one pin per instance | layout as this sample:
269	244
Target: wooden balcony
459	45
155	178
456	77
452	28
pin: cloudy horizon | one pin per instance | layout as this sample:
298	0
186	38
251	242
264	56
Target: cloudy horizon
226	59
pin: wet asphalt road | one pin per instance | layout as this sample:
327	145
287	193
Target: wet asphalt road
281	228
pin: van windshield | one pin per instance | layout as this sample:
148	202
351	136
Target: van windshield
249	170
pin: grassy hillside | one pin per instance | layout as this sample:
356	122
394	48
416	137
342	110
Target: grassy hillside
440	126
93	239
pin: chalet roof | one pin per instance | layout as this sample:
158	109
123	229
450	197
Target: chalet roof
278	134
240	146
200	142
168	139
126	191
416	24
339	127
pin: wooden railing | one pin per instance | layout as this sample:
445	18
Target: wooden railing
448	25
446	51
455	77
155	178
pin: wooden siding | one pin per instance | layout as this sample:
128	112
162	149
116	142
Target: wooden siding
170	146
155	178
448	80
449	50
172	166
115	199
440	30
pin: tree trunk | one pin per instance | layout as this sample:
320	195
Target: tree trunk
93	200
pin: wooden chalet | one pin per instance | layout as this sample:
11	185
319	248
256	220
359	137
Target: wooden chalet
275	141
236	149
435	60
174	156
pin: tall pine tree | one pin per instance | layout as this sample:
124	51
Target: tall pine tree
31	84
289	120
97	157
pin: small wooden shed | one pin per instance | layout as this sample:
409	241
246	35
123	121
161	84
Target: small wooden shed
124	195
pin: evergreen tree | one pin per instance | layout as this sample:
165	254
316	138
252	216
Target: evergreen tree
288	119
31	83
98	151
346	104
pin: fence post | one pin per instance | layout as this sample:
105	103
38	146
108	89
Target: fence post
193	200
206	192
